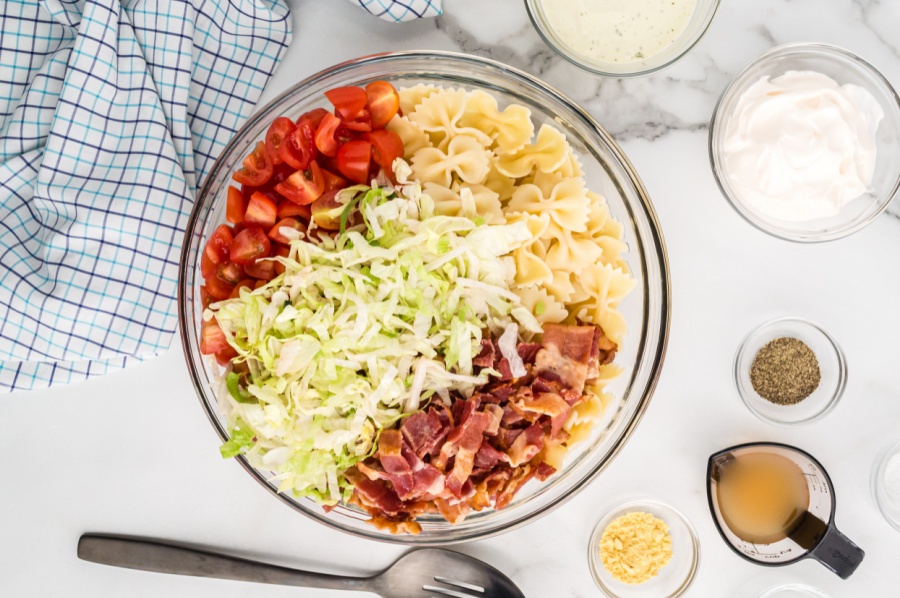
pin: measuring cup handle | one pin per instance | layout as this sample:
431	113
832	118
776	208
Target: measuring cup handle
838	553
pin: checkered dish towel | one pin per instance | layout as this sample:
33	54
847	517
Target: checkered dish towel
401	10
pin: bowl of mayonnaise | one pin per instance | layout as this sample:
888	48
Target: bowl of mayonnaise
622	38
805	142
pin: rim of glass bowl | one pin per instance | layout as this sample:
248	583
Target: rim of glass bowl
877	483
833	400
649	255
720	120
538	20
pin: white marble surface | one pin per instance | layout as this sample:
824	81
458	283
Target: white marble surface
132	453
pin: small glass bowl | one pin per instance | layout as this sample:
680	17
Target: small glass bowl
844	67
887	504
793	590
832	366
697	26
674	579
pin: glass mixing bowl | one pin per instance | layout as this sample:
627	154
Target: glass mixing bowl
607	170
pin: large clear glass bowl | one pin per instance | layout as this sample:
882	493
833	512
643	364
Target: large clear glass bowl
607	170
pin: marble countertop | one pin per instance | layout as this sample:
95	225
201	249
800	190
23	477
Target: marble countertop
132	453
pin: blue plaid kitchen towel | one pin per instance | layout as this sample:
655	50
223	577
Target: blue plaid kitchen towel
401	10
111	114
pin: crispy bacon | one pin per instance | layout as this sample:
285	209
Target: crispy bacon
424	431
527	444
565	354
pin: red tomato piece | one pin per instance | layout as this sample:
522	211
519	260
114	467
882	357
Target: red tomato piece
207	267
353	160
261	269
257	168
299	148
205	297
218	288
224	357
280	128
348	101
289	209
282	251
361	123
386	147
235	206
261	211
216	249
230	272
332	181
304	186
275	233
250	244
246	283
326	141
212	338
313	117
383	101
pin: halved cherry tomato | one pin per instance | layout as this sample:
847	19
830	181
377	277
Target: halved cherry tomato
250	244
348	101
361	123
326	141
216	249
313	117
332	181
230	272
212	339
289	209
304	186
275	233
218	288
280	128
235	206
207	267
205	297
386	147
261	269
326	211
257	167
383	102
299	148
224	357
282	251
246	283
261	211
353	160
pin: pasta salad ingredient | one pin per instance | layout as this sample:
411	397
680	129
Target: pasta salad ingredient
635	547
358	331
800	146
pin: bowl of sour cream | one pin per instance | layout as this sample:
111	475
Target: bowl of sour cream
622	38
805	142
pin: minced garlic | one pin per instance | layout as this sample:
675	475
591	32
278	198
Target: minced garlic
635	546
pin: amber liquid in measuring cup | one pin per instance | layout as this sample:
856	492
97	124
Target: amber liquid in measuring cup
763	497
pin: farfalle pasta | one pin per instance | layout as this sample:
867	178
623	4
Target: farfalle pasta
469	151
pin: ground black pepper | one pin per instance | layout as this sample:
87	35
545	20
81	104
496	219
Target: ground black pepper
785	371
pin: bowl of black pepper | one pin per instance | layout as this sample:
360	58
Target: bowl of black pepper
789	371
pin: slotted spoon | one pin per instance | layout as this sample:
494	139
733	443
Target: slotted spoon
429	572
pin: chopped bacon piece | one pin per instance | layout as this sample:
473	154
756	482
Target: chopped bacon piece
519	478
547	403
487	456
454	513
424	432
565	354
527	445
389	445
504	369
485	358
495	413
544	471
528	351
376	495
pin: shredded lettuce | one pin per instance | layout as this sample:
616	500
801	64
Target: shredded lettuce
360	331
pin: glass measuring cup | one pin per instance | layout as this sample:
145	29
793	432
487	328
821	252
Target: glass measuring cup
814	536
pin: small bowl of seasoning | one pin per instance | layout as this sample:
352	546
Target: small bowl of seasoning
789	371
805	142
886	484
621	38
643	549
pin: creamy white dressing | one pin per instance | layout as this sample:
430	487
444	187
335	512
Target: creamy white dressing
618	30
800	146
